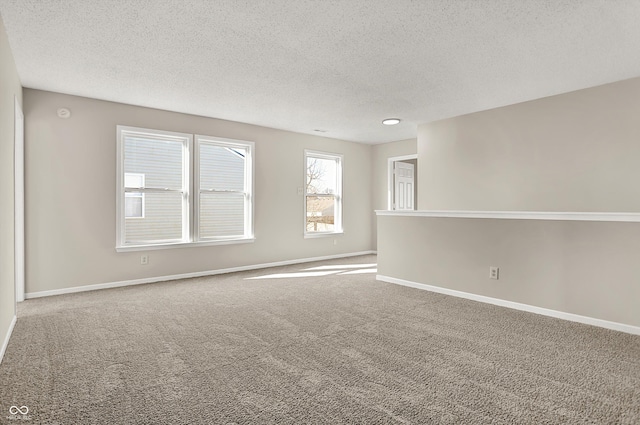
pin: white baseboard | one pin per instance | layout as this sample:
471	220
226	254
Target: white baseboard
635	330
108	285
5	343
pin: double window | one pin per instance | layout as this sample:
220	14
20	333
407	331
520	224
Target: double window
179	189
323	193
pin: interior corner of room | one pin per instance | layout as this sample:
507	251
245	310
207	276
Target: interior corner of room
532	205
425	213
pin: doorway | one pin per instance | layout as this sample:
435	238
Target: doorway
402	183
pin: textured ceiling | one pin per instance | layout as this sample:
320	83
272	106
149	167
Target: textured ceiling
334	65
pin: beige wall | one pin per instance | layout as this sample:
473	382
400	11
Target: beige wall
381	153
585	268
70	188
573	152
10	88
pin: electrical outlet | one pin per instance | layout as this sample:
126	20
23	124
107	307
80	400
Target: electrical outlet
144	259
494	273
335	242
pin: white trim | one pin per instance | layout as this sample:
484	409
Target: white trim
390	185
188	275
520	215
171	245
5	343
19	202
622	327
312	235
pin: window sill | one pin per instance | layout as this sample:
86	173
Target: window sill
322	234
153	247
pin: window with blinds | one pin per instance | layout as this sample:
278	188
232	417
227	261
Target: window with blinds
176	189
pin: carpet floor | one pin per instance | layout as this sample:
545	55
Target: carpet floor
314	343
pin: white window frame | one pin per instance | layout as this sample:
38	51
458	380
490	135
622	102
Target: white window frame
190	181
338	229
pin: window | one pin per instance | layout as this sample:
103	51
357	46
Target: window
224	183
323	194
176	189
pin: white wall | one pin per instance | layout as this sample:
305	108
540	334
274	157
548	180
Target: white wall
10	88
71	192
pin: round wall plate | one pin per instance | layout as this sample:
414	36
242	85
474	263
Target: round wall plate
64	113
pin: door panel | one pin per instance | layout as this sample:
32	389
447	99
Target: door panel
404	184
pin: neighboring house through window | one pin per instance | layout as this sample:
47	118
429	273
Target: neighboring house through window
224	197
182	189
133	201
323	193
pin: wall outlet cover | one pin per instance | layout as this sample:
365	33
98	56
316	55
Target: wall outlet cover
494	273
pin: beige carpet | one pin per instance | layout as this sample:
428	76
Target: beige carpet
309	348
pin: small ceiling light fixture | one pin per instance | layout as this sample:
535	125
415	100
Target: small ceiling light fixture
391	121
64	113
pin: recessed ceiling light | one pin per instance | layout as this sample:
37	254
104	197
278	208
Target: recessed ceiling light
391	121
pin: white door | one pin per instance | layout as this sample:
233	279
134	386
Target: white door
19	202
404	186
